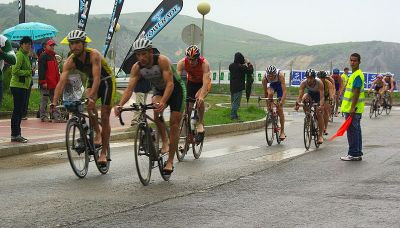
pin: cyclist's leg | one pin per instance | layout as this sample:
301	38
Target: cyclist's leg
337	98
106	92
281	115
160	126
306	98
269	94
192	90
316	99
176	103
327	112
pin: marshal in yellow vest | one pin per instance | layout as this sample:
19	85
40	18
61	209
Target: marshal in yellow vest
348	94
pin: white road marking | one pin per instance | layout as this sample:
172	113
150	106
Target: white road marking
225	151
282	155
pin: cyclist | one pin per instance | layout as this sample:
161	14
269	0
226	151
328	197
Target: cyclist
329	94
338	87
168	89
101	84
379	87
198	82
274	81
389	82
315	94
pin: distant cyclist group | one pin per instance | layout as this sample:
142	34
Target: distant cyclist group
320	95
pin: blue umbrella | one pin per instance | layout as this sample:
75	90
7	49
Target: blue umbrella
35	30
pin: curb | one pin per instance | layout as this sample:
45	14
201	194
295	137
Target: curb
128	134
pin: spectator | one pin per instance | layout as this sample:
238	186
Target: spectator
19	85
6	55
49	76
33	59
238	70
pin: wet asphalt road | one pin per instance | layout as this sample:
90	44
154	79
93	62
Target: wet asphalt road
238	182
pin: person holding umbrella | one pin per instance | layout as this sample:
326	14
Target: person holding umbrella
274	82
198	82
238	70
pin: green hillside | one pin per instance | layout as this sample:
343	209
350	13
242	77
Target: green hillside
221	42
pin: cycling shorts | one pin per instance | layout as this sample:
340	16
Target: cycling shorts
277	87
314	96
106	90
176	101
192	88
377	88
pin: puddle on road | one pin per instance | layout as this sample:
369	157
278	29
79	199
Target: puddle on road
282	155
226	151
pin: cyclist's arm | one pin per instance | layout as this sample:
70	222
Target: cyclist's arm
372	85
180	66
134	78
67	67
167	74
206	79
332	81
96	72
340	85
301	91
331	90
283	85
392	85
264	82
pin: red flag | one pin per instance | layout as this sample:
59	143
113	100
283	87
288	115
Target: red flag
342	128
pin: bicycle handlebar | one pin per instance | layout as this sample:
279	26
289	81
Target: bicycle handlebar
135	107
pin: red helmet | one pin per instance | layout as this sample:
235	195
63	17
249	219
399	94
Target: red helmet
193	52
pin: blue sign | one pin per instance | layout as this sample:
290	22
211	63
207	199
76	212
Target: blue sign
369	78
297	77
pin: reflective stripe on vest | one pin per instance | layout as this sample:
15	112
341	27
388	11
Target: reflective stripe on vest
348	95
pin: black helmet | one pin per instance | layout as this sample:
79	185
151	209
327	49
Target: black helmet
311	72
321	74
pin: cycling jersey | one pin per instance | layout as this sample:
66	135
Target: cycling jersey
337	82
326	89
195	74
155	77
106	89
388	82
313	91
275	84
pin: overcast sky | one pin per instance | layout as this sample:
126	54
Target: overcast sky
302	21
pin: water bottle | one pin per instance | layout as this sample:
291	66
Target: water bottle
193	122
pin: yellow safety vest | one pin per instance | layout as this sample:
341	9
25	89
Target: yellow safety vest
345	78
348	94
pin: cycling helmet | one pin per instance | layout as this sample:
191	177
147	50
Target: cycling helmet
76	35
311	72
192	52
379	76
322	74
388	74
142	43
271	69
336	71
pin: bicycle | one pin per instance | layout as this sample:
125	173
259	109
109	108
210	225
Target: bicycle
374	108
386	106
147	150
311	129
272	122
188	134
79	140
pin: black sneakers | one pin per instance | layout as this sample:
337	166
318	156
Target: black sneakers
19	139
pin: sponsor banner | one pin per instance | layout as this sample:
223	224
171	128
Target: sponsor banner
161	16
113	23
21	11
83	13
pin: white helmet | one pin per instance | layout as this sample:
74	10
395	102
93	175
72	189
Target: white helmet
142	43
271	69
75	35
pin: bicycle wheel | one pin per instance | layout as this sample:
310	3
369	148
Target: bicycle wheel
76	148
372	108
380	110
143	161
103	169
183	144
307	132
277	129
388	108
197	147
315	130
269	129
